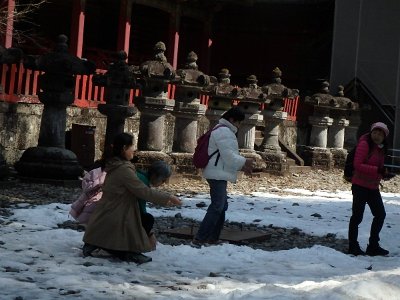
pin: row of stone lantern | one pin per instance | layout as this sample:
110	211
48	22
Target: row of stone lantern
329	122
50	159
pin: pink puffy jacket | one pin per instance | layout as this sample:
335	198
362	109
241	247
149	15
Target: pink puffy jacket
367	163
92	184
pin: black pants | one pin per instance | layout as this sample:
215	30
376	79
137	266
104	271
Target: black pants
362	196
147	222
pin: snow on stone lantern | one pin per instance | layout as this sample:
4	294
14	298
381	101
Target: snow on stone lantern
50	159
154	105
118	82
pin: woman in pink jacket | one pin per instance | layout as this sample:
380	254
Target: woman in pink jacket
368	172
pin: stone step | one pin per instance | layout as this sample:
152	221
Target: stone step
299	169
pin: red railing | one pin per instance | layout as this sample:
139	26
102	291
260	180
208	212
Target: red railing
20	85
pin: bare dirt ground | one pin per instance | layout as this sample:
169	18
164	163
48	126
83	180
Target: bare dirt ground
313	180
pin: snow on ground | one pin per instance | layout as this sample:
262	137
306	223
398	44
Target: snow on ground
38	260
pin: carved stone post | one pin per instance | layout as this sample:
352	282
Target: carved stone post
56	91
118	81
154	105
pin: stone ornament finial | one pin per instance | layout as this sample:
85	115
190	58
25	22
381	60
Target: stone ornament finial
191	61
159	49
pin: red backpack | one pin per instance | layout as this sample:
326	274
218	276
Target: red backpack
200	155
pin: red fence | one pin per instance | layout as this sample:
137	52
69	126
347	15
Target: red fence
21	85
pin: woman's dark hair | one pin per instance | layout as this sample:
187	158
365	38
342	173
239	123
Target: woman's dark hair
235	113
159	171
371	143
120	140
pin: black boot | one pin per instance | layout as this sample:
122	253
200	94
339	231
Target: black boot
354	248
88	249
376	250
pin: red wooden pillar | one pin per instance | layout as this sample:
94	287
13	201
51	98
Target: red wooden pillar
206	42
77	27
8	34
124	25
173	39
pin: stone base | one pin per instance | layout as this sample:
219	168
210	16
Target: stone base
339	157
50	163
275	162
259	163
143	159
316	157
3	167
183	163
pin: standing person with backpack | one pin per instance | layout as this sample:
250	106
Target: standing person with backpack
368	172
223	164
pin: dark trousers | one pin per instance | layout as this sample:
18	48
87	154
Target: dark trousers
147	222
213	222
362	196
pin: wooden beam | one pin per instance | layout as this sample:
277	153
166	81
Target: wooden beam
77	27
8	36
124	26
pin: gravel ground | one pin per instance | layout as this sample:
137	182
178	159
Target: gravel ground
277	238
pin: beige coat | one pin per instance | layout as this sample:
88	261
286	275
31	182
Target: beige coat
116	224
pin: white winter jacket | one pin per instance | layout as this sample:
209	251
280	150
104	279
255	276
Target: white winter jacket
230	161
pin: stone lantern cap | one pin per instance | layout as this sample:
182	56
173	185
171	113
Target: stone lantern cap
10	55
190	74
324	99
252	92
119	74
222	88
342	102
275	89
158	67
59	61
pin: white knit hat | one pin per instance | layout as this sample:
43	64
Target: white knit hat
381	126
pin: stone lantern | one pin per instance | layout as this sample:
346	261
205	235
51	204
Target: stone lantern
317	154
190	83
221	98
252	97
50	159
154	105
341	109
7	56
118	81
274	116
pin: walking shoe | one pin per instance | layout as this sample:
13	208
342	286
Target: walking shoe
88	249
197	243
138	258
376	251
354	248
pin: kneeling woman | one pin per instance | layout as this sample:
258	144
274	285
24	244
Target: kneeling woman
115	225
